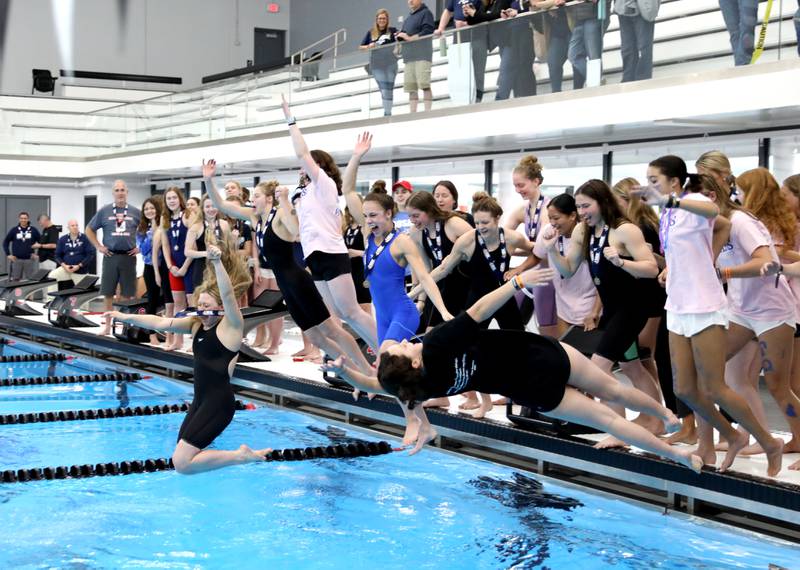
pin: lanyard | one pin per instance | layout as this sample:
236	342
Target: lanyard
532	223
666	221
175	230
198	313
369	264
503	255
596	251
217	229
261	232
435	244
350	236
560	246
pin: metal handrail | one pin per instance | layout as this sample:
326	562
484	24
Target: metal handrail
335	47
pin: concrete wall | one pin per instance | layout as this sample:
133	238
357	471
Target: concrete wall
183	38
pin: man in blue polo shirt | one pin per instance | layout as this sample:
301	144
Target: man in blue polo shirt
19	250
74	254
417	54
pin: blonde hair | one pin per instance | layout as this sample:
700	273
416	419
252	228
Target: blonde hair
638	211
482	202
267	188
375	31
530	167
762	197
235	267
718	163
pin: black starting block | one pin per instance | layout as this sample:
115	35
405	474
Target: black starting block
14	294
267	306
64	309
127	332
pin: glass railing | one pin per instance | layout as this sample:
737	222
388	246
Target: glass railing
534	53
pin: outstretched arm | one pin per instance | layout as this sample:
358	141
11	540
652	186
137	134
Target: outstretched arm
363	144
231	209
413	259
286	211
354	377
232	312
487	305
568	263
152	322
299	143
448	264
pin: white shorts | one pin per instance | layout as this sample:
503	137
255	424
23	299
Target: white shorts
689	324
759	327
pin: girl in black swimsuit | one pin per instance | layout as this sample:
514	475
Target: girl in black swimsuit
216	341
459	355
275	226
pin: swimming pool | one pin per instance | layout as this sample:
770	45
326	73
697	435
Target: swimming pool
433	510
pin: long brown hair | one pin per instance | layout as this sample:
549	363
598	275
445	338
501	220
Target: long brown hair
424	202
482	202
612	214
793	184
638	211
705	184
144	223
762	197
166	215
325	162
235	266
375	32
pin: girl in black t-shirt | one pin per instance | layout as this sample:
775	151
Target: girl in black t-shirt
382	58
459	355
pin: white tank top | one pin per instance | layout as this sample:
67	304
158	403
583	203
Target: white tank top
320	217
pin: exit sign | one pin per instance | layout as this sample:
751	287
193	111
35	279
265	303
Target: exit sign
273	8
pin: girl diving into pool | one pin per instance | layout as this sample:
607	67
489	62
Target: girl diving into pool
217	332
458	355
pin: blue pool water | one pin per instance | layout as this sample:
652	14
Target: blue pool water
433	510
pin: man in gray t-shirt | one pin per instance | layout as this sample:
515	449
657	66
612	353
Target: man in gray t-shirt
118	221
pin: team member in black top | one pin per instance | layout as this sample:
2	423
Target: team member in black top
618	257
18	247
459	355
216	342
46	248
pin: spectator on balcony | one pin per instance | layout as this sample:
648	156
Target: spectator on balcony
637	22
417	54
588	22
557	35
741	17
477	38
797	27
485	38
382	58
516	54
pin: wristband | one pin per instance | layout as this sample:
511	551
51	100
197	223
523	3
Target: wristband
719	273
673	201
727	273
778	275
291	121
516	283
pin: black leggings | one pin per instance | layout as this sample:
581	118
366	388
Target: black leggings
153	290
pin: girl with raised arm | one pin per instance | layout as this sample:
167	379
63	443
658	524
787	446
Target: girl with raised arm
320	218
216	337
275	228
697	314
459	355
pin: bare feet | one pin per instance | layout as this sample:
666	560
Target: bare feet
469	404
690	460
671	423
412	431
795	466
687	433
791	446
426	433
271	351
709	456
500	401
774	456
106	330
483	409
609	443
315	357
437	403
734	447
301	353
249	455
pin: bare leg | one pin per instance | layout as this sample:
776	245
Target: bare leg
189	459
108	305
437	403
705	442
336	341
261	336
340	295
687	433
275	328
427	95
426	431
647	339
180	304
776	346
485	407
710	362
574	407
169	312
413	100
741	374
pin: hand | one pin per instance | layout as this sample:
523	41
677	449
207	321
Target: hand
110	315
437	32
209	168
662	278
612	255
549	237
590	322
157	276
12	257
335	366
537	277
287	113
363	144
469	10
36	246
34	256
213	253
560	2
771	268
104	250
72	268
257	276
446	316
509	13
402	36
651	194
420	306
134	251
175	270
510	274
281	193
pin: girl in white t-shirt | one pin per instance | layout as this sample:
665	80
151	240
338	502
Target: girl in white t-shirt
696	312
320	215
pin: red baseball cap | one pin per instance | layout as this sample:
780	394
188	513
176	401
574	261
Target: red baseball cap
403	183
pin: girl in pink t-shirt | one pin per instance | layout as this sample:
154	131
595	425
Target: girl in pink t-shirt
320	217
695	312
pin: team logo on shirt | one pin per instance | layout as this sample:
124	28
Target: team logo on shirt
24	234
464	372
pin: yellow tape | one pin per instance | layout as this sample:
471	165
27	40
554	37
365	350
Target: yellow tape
762	35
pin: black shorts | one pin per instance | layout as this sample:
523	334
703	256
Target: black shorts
357	270
797	330
327	266
620	332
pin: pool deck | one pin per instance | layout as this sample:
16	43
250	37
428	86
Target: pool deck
739	493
